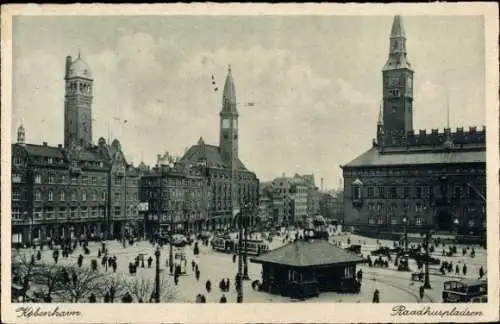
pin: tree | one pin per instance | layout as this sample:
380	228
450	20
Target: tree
22	271
81	283
116	283
49	278
142	289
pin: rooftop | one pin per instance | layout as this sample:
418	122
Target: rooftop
211	154
373	157
302	253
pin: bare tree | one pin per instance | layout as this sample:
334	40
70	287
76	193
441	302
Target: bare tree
50	279
142	289
22	271
79	284
115	282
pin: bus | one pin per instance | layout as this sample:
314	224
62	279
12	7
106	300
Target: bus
465	291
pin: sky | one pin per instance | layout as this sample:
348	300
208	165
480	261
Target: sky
316	82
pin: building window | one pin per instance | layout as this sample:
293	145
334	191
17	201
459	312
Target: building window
94	180
84	212
85	180
117	180
371	219
381	192
380	219
74	164
61	196
49	213
371	192
117	211
73	196
73	180
50	160
93	212
37	213
73	212
393	193
406	192
51	178
63	179
38	195
38	179
418	192
51	195
84	195
16	178
117	195
94	195
62	212
16	213
103	195
18	160
419	220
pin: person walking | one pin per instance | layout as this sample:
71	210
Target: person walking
376	297
223	299
464	270
481	272
92	298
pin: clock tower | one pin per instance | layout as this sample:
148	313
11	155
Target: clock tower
397	88
78	103
228	140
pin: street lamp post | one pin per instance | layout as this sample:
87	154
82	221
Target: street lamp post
239	276
456	222
245	214
427	283
405	238
157	274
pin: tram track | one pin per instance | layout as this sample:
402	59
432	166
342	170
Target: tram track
417	297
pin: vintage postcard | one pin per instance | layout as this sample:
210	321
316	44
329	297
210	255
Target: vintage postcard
277	163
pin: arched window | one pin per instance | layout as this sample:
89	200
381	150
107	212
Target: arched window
51	195
84	195
38	195
61	196
73	196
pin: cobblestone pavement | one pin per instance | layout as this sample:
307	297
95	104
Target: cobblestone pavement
394	286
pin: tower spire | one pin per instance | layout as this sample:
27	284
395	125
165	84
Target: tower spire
229	93
397	50
380	121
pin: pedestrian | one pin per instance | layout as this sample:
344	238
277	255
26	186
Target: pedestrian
112	293
376	297
106	297
80	261
39	255
93	265
234	258
176	279
208	286
197	274
150	260
457	269
142	263
360	275
481	272
223	299
421	292
92	298
99	253
464	270
227	284
193	264
114	265
203	299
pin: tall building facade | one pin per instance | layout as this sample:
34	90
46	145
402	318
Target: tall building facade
76	190
230	183
176	195
419	180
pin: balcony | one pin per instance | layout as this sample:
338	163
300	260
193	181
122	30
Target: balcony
74	169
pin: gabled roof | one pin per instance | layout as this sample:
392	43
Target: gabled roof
42	150
211	154
307	254
373	157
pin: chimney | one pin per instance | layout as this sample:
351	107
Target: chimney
45	144
68	65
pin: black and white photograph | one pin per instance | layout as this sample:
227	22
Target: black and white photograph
250	158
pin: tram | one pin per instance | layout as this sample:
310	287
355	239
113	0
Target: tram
254	247
465	291
223	244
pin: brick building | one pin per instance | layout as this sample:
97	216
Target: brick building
79	189
229	182
421	180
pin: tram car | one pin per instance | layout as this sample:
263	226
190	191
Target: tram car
223	244
465	291
254	247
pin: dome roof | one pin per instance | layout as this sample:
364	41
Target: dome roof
79	68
